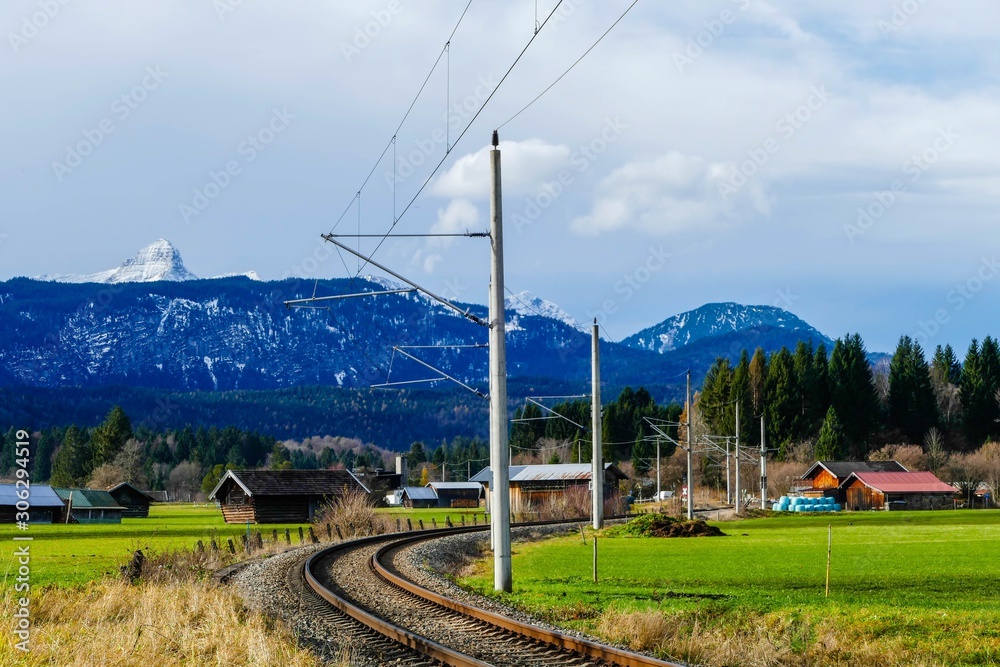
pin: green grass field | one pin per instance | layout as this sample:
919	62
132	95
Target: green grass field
77	553
928	582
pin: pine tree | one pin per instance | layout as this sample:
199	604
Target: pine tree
912	405
714	400
524	435
741	392
73	461
758	381
783	402
832	442
946	374
41	460
979	384
109	438
806	418
852	393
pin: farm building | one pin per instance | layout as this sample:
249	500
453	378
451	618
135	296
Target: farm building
91	506
280	496
536	484
135	502
419	496
45	504
896	491
457	494
825	477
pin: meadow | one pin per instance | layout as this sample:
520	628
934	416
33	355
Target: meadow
78	553
905	588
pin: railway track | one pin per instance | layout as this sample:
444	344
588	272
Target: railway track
357	586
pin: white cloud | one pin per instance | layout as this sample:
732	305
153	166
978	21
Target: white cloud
460	215
674	193
524	165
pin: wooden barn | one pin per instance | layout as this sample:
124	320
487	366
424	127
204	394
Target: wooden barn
824	478
135	502
536	484
45	504
91	506
458	494
897	491
419	496
280	496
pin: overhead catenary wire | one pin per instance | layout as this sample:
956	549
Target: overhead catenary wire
409	109
570	68
464	131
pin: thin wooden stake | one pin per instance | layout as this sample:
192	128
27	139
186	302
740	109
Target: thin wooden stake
829	552
583	535
595	558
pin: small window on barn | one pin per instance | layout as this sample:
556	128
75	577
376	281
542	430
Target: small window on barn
237	497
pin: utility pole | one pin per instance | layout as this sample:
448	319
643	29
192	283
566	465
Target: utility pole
729	477
658	497
739	493
499	451
597	463
763	466
690	452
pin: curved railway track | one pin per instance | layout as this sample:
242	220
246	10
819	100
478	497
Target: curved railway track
357	585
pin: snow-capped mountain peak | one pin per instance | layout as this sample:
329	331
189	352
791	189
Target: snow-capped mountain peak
717	319
527	304
160	260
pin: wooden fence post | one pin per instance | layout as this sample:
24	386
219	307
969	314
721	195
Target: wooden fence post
340	535
409	524
288	536
232	547
302	537
421	522
329	533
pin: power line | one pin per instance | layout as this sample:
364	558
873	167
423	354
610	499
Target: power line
475	116
392	141
575	63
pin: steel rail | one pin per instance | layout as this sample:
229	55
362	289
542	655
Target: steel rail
434	649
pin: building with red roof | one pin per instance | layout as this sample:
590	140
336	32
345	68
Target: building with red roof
896	491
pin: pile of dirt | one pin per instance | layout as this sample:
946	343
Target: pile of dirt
659	525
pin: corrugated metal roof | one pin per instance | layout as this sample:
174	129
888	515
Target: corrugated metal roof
902	482
419	493
842	469
469	486
91	498
42	495
546	473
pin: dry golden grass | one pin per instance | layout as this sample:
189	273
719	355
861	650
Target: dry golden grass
114	624
766	640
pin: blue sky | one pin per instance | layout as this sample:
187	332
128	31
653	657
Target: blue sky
841	162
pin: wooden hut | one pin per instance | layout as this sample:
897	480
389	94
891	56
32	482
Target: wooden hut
280	496
45	505
91	506
135	502
824	478
419	496
897	491
457	494
535	484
